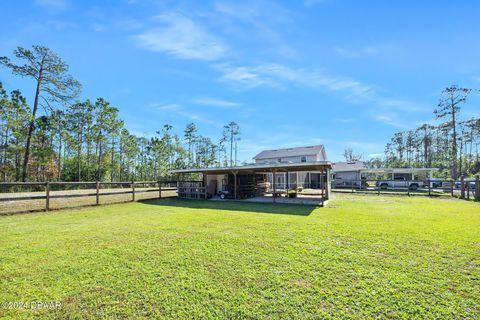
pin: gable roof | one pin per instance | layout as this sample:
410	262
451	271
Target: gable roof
293	152
348	166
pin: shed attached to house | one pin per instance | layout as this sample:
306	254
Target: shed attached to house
289	172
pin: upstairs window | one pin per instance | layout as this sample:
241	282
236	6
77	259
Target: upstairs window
303	159
279	160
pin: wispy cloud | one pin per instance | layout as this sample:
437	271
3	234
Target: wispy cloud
376	155
176	110
390	118
258	21
385	50
382	107
182	38
214	102
275	75
166	107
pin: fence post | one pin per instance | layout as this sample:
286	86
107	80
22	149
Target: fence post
429	188
462	188
133	190
477	188
159	189
451	187
47	196
98	193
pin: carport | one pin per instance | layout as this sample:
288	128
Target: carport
249	182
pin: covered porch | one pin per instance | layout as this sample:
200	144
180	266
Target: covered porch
300	183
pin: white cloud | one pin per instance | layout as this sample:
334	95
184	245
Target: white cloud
390	118
168	107
214	102
376	155
182	38
275	75
177	110
384	50
382	107
264	23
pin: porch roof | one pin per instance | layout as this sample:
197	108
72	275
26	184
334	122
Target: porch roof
268	167
398	170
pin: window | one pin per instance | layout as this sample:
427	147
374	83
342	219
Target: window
303	159
279	160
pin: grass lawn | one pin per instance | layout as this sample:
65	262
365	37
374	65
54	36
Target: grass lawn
362	257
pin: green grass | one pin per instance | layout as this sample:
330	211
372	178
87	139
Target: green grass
362	257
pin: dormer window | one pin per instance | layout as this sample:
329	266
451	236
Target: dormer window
303	159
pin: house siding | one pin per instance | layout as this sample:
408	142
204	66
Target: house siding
310	158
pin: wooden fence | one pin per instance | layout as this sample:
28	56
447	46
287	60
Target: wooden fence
33	192
462	189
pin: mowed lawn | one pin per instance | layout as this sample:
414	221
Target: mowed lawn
362	257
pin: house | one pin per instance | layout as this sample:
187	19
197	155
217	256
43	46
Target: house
347	174
292	155
304	179
272	175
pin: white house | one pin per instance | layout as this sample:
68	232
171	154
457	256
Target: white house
308	154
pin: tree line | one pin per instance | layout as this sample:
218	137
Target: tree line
62	138
452	145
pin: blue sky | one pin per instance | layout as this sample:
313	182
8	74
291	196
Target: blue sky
345	73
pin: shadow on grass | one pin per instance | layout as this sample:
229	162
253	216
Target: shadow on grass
273	208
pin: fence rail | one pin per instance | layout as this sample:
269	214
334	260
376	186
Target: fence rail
464	189
12	193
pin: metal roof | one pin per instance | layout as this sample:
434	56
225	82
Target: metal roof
291	152
348	166
268	167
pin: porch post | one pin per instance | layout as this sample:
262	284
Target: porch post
477	188
204	176
322	181
178	185
274	185
234	184
287	180
327	184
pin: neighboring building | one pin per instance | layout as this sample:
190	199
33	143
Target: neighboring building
347	174
310	154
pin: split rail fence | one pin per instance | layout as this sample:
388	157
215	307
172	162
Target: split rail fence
38	196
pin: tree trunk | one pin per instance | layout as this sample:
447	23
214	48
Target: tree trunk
454	149
79	154
5	156
113	154
31	126
60	158
231	150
